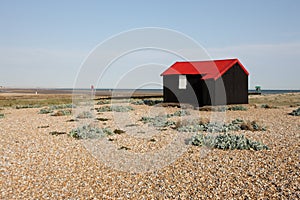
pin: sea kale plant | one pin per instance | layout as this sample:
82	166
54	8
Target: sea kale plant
162	120
149	102
103	101
115	108
51	109
89	132
235	125
157	121
227	142
239	107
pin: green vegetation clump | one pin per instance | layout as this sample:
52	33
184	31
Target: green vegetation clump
234	108
295	112
214	127
179	113
89	132
222	108
213	108
27	106
61	106
157	121
45	111
138	102
161	120
227	142
103	101
114	108
2	115
151	102
56	107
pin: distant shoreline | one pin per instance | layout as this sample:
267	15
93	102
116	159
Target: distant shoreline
108	92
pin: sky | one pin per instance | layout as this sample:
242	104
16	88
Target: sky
45	44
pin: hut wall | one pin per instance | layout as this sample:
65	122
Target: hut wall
208	92
235	83
169	90
172	93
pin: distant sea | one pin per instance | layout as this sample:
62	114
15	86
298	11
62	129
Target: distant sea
108	91
161	90
276	91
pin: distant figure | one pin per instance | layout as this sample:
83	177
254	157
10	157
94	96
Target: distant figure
36	92
93	91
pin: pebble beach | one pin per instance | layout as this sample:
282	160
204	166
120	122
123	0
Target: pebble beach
35	164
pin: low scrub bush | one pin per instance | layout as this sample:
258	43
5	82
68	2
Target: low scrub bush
148	102
151	102
179	113
138	102
161	120
45	111
114	108
27	106
157	121
295	112
1	115
61	106
227	142
234	108
103	101
206	126
222	108
89	132
57	107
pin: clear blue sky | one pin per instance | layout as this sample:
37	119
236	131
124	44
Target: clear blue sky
43	43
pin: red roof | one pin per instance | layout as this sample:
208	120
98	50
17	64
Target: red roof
211	69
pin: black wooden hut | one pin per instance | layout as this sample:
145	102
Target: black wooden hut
200	83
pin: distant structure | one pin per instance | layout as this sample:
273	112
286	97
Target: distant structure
258	89
200	83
